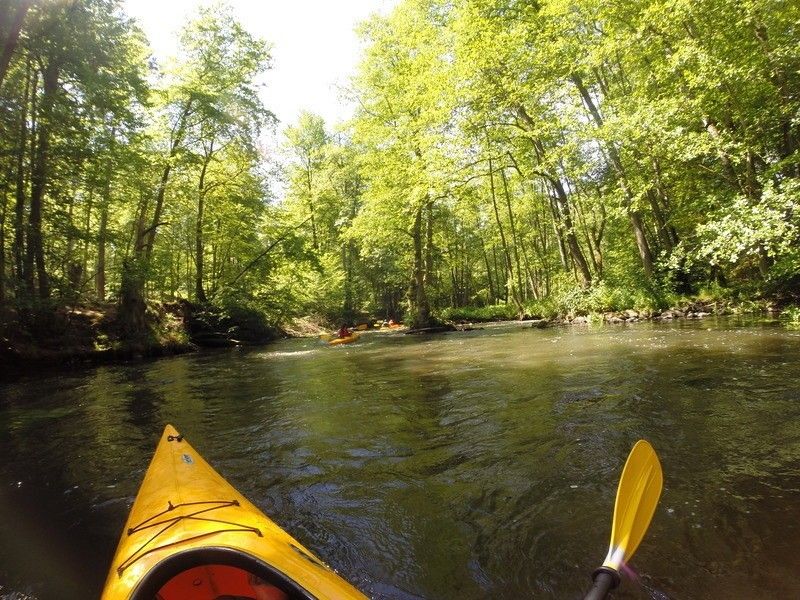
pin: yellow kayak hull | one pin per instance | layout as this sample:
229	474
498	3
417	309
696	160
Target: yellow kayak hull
190	527
347	340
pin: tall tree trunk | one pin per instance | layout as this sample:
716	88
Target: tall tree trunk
177	140
562	202
200	293
310	190
579	211
3	243
664	198
420	306
565	231
498	279
492	295
558	227
19	208
662	230
102	233
147	241
635	216
429	270
135	269
100	277
39	179
10	43
510	284
514	237
87	225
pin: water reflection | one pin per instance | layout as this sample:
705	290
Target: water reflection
464	466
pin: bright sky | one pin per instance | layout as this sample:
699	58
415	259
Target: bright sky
314	46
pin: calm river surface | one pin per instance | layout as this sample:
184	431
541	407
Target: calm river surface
465	466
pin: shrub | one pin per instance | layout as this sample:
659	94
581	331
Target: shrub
496	312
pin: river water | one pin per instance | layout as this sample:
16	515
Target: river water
463	466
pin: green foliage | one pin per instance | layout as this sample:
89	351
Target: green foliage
506	159
791	316
600	298
497	312
746	229
238	320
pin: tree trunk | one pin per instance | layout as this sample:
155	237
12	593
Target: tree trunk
420	306
87	226
132	309
562	202
514	237
10	43
19	208
3	244
200	293
641	242
498	279
135	269
310	189
429	270
510	285
565	231
616	163
180	130
100	277
39	180
492	295
105	203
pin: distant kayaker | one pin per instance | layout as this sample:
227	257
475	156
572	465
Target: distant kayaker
344	331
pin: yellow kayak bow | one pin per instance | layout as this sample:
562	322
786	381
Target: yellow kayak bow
190	534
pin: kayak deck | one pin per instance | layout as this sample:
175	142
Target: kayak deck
190	527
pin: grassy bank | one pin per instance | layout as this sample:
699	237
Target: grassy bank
614	305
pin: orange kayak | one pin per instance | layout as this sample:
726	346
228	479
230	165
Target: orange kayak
191	536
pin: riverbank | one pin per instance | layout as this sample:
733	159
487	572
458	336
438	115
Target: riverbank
693	309
690	310
90	333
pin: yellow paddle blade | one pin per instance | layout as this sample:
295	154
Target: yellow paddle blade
637	496
326	336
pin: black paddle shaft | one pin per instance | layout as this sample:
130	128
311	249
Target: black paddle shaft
605	580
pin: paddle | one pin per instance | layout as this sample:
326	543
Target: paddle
637	496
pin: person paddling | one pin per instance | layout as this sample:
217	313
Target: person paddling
344	331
